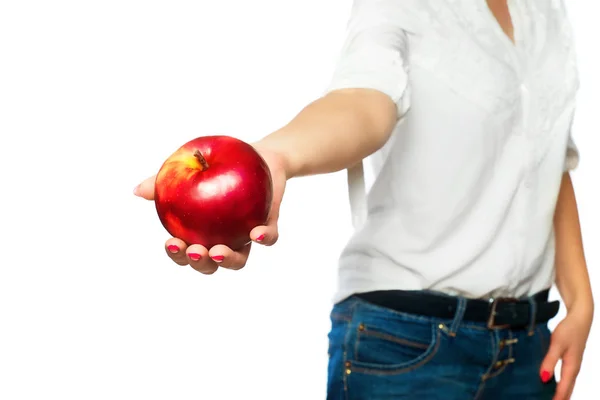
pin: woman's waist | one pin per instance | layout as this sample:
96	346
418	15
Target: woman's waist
496	271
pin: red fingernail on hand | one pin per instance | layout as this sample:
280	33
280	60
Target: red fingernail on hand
194	256
545	376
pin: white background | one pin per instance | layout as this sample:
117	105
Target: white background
94	95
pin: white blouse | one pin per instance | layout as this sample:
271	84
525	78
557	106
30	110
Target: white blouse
462	196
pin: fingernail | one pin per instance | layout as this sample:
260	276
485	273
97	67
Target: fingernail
172	248
218	258
136	190
260	238
194	256
545	376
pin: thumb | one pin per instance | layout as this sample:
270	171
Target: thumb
549	364
146	188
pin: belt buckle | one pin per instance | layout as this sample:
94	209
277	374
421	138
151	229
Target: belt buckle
491	323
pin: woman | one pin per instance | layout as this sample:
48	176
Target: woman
465	107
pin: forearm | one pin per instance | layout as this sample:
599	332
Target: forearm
334	132
572	277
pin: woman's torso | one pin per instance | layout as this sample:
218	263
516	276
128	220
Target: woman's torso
465	189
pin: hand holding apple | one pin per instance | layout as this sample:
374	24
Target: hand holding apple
220	240
213	190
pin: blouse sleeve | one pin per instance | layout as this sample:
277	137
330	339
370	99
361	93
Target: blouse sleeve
374	53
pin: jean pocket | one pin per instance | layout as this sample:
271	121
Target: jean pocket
392	346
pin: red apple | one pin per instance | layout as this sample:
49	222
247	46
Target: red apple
214	190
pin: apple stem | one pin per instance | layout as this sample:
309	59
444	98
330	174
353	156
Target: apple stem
201	158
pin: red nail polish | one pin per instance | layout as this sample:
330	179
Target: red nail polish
172	248
218	258
545	376
194	256
260	238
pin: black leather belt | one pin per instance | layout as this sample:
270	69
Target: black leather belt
496	313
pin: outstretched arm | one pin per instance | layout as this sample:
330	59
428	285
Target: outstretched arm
334	132
354	119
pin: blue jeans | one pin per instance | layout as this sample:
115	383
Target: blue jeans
376	353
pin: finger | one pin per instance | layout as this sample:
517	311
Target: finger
570	394
176	249
227	258
146	188
568	374
279	183
265	234
278	187
554	354
565	386
198	259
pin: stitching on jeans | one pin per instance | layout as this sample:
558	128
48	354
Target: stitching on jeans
341	317
345	351
510	354
543	344
501	369
391	338
496	353
484	376
497	372
475	327
458	317
356	342
378	372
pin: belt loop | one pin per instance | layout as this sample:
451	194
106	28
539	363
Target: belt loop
458	316
532	315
